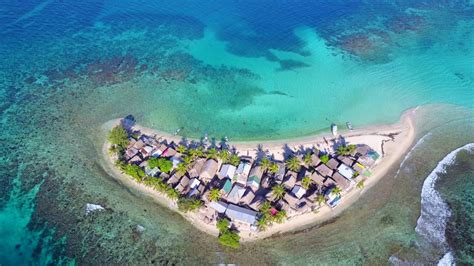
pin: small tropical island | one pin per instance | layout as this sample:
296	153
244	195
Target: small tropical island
249	190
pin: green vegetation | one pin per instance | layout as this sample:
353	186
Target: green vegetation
273	168
355	174
182	149
196	152
160	186
118	136
114	149
187	160
360	184
324	158
293	164
224	155
234	159
181	168
229	238
265	163
222	224
320	199
306	182
214	194
307	158
278	191
336	191
212	153
186	204
172	193
163	164
134	171
346	149
269	216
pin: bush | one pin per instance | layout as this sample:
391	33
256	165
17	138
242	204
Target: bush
324	158
188	204
134	171
163	164
230	239
222	225
119	136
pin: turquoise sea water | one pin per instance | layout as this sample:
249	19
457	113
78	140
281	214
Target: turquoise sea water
246	70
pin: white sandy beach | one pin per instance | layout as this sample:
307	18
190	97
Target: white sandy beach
395	139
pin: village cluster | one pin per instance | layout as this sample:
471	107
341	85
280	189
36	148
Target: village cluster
246	184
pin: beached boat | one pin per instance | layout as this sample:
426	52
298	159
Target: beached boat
349	126
334	129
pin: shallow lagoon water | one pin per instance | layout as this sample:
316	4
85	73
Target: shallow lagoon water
249	71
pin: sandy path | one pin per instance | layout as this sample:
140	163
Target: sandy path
395	139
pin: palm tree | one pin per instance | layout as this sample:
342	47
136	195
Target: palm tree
214	194
212	153
360	184
306	182
278	191
181	149
224	155
293	164
234	159
320	199
172	193
187	160
336	190
200	151
262	224
181	168
273	168
265	208
193	153
280	216
307	158
265	163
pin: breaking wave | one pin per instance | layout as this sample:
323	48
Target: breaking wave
434	211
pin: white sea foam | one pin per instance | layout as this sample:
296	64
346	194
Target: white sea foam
447	260
408	155
93	207
434	211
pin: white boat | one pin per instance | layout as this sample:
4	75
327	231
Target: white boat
334	129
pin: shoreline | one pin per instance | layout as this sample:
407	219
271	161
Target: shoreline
391	141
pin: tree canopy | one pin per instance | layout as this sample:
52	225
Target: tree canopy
278	191
230	239
119	136
324	158
163	164
214	194
293	164
186	204
345	149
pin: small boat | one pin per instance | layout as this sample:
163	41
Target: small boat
177	131
349	125
334	129
226	139
206	138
